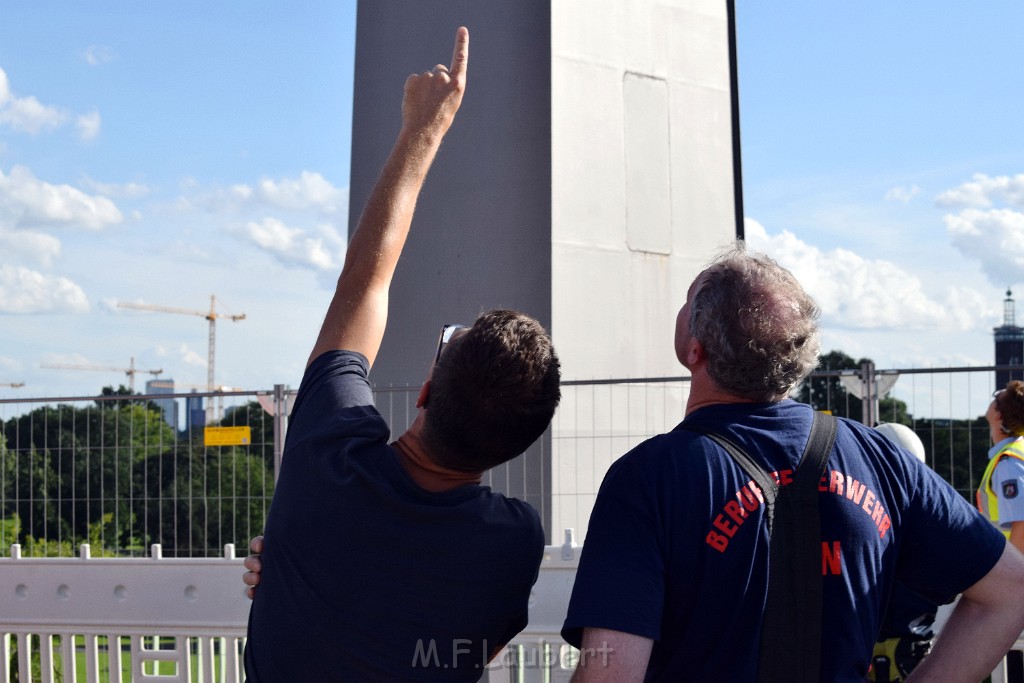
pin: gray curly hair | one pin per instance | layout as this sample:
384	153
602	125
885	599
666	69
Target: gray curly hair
758	326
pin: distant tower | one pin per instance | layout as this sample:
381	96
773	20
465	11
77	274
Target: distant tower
1009	344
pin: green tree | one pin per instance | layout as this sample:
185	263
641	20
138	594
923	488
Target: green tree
824	391
70	466
198	499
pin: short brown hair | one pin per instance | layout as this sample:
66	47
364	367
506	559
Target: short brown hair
1010	404
493	392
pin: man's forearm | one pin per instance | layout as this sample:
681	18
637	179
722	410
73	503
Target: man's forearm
985	623
357	315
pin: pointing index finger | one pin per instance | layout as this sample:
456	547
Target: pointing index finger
460	55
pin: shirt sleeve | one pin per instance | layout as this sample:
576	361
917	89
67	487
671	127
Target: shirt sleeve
335	398
620	580
947	545
1008	483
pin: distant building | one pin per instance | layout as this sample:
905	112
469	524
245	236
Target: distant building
1009	340
196	415
168	406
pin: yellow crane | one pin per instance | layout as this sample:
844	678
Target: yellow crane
131	370
210	315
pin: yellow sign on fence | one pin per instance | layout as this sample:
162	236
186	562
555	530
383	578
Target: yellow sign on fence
227	436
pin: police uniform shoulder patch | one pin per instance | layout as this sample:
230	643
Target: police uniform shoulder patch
1010	488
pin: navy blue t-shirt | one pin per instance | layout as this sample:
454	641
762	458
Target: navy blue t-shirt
676	550
368	577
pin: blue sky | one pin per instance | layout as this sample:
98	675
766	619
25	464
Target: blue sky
166	152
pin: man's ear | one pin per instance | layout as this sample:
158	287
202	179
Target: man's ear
695	353
421	400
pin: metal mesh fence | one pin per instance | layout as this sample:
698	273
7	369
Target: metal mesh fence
122	473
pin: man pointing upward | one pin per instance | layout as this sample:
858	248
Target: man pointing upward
389	561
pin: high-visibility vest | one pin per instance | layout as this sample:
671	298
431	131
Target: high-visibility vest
988	501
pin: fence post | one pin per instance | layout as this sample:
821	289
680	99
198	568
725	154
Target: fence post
280	427
869	399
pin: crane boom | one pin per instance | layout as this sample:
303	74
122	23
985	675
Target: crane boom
210	315
131	370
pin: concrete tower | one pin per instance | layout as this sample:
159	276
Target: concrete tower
1009	340
588	177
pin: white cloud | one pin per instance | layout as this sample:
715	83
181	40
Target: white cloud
857	293
994	238
982	191
27	291
26	114
9	366
29	245
292	245
190	357
902	194
121	190
309	192
94	55
88	126
27	201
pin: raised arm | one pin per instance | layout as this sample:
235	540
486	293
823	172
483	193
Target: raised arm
986	621
357	316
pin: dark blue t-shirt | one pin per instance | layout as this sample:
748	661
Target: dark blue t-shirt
368	577
677	548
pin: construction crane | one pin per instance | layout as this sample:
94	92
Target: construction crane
211	316
131	370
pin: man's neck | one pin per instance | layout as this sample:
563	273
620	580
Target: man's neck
704	392
422	469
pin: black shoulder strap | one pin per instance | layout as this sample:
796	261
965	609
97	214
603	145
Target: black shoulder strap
764	481
791	629
792	616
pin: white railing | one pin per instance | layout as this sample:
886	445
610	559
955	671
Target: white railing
172	619
183	619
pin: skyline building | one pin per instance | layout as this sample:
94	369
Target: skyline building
1009	343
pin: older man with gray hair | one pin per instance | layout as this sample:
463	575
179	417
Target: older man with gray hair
674	575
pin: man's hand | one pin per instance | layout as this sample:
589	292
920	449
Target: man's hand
251	577
357	316
432	97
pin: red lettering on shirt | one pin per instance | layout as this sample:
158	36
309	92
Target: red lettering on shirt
836	484
783	477
854	489
831	559
733	509
757	491
750	500
717	541
723	525
869	501
876	514
884	526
